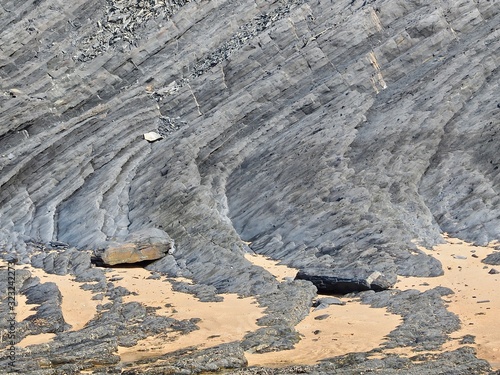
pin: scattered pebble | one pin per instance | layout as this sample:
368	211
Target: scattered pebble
322	317
321	306
493	271
468	339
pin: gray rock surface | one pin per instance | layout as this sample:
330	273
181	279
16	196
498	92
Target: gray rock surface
328	301
459	362
331	135
426	322
493	259
323	145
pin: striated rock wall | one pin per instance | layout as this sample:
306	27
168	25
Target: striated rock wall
327	134
331	135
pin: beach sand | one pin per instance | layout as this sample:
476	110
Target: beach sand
353	327
77	305
221	322
476	300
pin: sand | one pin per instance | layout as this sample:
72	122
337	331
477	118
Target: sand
476	300
353	327
279	271
348	328
77	305
221	322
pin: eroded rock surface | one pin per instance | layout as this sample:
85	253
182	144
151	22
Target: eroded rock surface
329	135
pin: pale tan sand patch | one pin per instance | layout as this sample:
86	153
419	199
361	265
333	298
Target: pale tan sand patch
41	338
77	306
353	327
23	310
279	271
476	300
350	328
221	322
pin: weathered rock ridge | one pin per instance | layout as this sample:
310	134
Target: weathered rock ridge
328	135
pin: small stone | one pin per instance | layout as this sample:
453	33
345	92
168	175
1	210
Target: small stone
154	276
15	92
493	271
152	137
321	306
475	256
484	301
328	301
459	257
468	339
322	317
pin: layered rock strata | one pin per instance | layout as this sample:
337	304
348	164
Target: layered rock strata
328	135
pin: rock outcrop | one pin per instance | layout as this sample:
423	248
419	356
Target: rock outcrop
330	135
493	258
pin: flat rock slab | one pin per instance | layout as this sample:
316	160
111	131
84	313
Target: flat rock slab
146	244
133	253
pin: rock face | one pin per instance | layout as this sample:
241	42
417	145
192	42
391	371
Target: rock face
331	135
328	135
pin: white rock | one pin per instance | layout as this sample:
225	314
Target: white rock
152	136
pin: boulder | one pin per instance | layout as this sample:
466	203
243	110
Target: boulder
328	283
328	301
146	244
